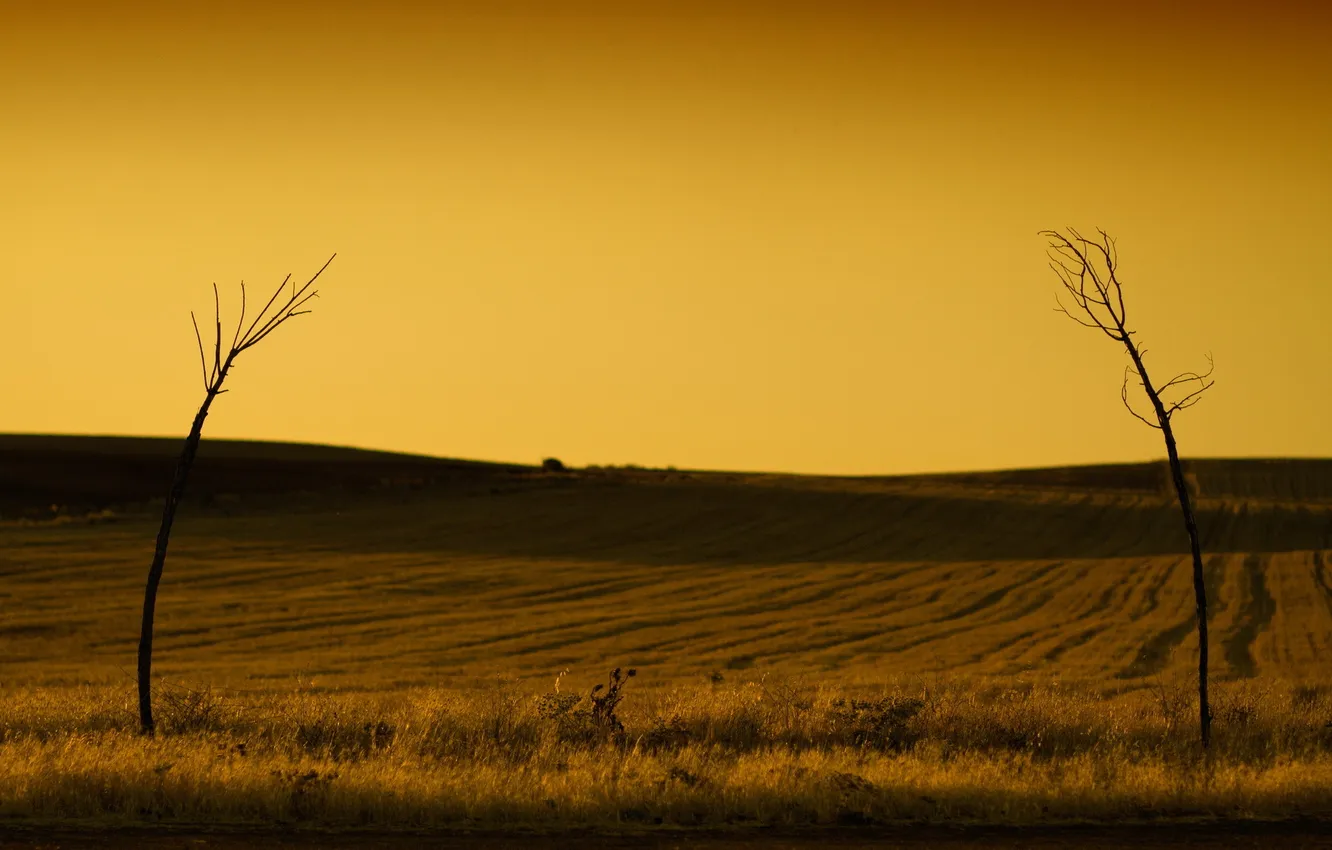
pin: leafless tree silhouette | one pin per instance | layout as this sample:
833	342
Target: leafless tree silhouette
244	338
1087	268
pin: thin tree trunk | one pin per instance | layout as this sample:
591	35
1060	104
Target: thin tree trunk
1195	545
183	465
259	328
1199	588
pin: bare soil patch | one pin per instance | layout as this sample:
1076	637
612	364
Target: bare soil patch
1239	834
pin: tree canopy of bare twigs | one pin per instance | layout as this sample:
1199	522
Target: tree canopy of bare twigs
1088	270
1093	296
274	314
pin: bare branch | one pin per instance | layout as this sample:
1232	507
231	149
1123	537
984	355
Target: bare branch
1188	377
287	311
1123	396
235	338
217	335
1191	399
1060	308
1072	262
1112	257
264	311
203	362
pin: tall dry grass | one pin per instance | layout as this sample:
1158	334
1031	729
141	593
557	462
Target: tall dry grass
777	752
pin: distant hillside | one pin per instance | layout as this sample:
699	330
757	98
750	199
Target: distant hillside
83	474
1259	479
89	473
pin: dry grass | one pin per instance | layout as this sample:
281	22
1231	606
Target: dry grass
765	752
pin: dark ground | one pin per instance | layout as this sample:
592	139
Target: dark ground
1285	835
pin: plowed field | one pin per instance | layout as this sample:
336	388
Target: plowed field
1076	573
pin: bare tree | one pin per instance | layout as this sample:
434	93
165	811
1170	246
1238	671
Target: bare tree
1088	271
244	338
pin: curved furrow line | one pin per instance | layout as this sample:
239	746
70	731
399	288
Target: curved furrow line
996	596
813	613
272	629
1100	611
625	627
1321	578
1254	618
1038	592
722	593
988	601
780	599
1073	603
747	642
947	583
1150	600
732	601
857	626
1073	642
580	630
947	580
1104	602
692	642
825	605
1154	653
1112	613
898	591
995	650
581	591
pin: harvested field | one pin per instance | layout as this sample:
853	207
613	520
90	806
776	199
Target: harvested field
1005	648
1077	574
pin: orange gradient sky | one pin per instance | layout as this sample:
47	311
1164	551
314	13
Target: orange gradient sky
770	236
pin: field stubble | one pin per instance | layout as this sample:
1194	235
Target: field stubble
773	753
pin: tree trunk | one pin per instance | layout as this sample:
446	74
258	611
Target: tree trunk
1195	546
183	465
1199	588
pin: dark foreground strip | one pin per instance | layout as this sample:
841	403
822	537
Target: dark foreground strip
1289	835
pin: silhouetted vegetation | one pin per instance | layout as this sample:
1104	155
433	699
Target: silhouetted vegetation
244	338
1088	271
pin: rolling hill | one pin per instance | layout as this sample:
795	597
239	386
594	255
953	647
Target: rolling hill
373	570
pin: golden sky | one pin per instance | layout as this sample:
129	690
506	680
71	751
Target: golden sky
771	236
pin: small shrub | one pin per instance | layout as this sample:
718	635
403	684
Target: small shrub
556	705
552	464
603	707
587	720
788	702
184	710
880	724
